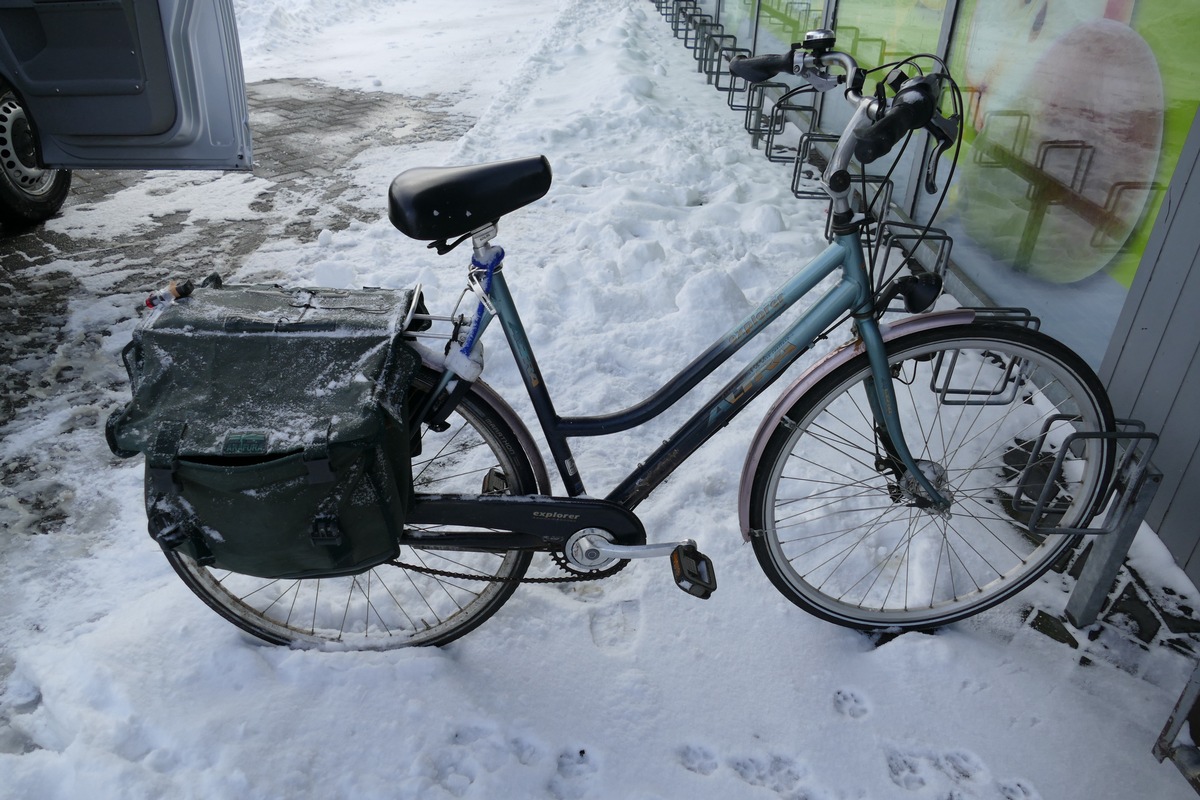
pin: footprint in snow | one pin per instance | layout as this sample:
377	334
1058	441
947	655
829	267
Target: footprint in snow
1018	790
698	759
905	771
617	625
850	703
954	774
573	775
780	774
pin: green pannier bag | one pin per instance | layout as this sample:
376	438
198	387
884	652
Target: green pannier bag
273	425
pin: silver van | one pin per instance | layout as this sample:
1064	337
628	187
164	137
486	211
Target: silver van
114	84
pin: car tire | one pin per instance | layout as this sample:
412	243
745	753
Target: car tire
29	193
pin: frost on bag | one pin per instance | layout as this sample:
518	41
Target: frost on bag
273	425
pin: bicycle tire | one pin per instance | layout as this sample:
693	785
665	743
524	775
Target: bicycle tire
844	537
389	606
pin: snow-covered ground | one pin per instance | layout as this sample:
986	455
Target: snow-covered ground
663	228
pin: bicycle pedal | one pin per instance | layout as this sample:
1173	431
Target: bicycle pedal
693	571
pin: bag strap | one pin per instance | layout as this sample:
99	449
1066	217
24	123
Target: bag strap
169	518
316	459
326	527
163	457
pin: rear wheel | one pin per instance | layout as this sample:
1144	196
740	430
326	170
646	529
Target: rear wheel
841	530
28	192
390	606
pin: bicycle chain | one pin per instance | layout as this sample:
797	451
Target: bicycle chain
573	576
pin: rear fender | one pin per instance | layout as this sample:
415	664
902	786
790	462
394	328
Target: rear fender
810	379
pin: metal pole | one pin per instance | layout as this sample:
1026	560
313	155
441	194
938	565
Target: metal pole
1109	551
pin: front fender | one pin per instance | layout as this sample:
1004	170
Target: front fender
815	373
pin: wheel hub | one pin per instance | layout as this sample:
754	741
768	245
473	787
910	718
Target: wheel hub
18	159
935	474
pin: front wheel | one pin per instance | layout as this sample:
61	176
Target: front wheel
28	193
842	531
392	606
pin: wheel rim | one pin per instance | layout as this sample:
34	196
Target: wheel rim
18	157
387	606
850	539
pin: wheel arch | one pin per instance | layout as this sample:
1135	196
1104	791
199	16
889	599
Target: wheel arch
811	377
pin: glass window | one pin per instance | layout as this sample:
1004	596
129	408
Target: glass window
879	33
1076	114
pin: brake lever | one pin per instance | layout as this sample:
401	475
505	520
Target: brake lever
808	67
944	130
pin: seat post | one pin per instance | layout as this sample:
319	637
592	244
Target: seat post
484	252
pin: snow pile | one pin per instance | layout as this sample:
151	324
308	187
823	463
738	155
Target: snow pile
663	227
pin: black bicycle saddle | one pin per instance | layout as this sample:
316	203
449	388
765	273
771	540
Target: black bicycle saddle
439	203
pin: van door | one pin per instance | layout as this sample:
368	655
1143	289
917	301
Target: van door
116	84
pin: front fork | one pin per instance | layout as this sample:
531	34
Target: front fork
881	394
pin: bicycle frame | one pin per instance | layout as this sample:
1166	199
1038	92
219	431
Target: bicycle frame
850	295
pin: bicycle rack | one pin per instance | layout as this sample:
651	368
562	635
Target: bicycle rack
1005	391
677	10
801	170
716	46
782	107
705	33
1013	315
1127	499
736	86
1168	745
756	99
906	237
692	33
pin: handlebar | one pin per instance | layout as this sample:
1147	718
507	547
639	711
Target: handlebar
757	69
912	108
876	126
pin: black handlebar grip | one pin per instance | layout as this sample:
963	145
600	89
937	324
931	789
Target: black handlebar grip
761	68
912	108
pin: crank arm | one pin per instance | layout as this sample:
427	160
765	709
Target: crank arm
607	549
692	570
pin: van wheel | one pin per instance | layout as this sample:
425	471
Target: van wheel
28	193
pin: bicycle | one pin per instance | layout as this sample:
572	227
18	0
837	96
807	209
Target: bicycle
911	478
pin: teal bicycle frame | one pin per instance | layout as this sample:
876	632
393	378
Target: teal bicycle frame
851	295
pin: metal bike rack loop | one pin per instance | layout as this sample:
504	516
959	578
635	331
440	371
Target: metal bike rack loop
1130	493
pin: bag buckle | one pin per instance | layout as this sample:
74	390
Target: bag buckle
326	531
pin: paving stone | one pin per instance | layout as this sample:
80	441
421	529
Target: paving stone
1054	628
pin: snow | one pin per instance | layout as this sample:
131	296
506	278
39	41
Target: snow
663	228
